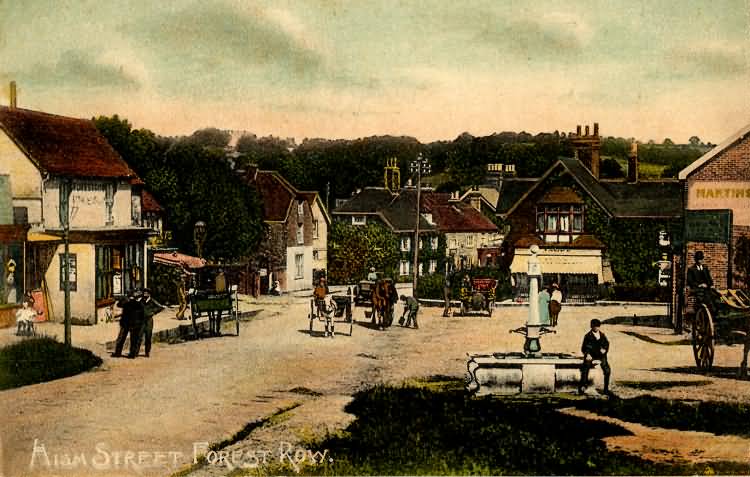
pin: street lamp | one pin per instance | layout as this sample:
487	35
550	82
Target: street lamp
199	236
419	166
66	188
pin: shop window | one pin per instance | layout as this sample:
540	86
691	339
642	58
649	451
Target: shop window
119	269
11	285
72	271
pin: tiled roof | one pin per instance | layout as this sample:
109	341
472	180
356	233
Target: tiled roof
455	216
561	195
63	146
149	202
510	191
656	198
276	194
399	211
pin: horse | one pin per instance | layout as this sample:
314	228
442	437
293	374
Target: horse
383	296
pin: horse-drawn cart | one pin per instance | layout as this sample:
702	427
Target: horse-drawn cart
340	306
214	305
478	295
380	296
718	315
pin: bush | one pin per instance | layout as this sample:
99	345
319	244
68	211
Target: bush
42	359
162	280
430	287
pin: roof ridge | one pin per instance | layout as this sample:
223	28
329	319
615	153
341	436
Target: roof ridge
44	113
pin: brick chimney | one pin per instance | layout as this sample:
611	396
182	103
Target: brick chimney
587	148
13	95
633	163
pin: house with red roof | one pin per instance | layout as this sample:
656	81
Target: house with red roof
296	242
471	237
52	164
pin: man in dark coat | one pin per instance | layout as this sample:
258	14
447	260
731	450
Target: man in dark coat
595	347
131	323
699	278
150	308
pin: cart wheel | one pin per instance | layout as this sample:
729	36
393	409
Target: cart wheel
703	338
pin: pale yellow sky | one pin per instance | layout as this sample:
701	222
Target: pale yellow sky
429	69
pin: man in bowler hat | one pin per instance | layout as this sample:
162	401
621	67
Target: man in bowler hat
699	278
150	308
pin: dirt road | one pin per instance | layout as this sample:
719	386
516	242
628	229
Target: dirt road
146	416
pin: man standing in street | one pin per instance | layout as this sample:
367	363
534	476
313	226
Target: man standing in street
447	290
699	278
131	323
150	308
595	347
411	305
555	304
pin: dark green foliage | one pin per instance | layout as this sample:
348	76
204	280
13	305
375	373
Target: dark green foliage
42	359
720	418
431	286
352	250
435	430
611	169
192	181
631	245
162	280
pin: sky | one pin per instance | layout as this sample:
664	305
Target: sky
348	69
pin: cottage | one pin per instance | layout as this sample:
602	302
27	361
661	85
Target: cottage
295	245
58	168
569	210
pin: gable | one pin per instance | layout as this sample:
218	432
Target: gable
25	178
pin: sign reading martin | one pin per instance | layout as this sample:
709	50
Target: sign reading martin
708	226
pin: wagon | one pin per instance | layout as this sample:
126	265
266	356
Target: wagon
363	293
214	305
718	316
477	296
340	306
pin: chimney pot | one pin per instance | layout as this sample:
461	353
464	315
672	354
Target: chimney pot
578	130
633	163
596	129
587	130
13	95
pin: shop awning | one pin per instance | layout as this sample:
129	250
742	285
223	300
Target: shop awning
42	237
563	262
177	259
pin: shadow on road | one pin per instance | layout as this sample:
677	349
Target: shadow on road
726	372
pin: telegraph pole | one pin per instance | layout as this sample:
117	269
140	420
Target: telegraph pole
419	166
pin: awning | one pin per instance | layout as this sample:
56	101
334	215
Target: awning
563	262
177	259
42	237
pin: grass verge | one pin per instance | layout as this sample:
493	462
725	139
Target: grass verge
42	359
709	416
436	429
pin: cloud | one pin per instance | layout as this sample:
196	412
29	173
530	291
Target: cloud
203	45
713	62
77	70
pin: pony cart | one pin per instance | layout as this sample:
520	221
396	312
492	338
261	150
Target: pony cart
214	305
340	306
477	296
718	315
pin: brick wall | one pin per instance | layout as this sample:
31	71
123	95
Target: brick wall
731	164
716	258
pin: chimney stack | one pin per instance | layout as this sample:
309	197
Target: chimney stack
13	95
587	148
633	163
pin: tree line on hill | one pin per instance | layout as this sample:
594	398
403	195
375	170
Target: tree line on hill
194	178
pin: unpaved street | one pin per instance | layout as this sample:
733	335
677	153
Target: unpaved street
206	391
